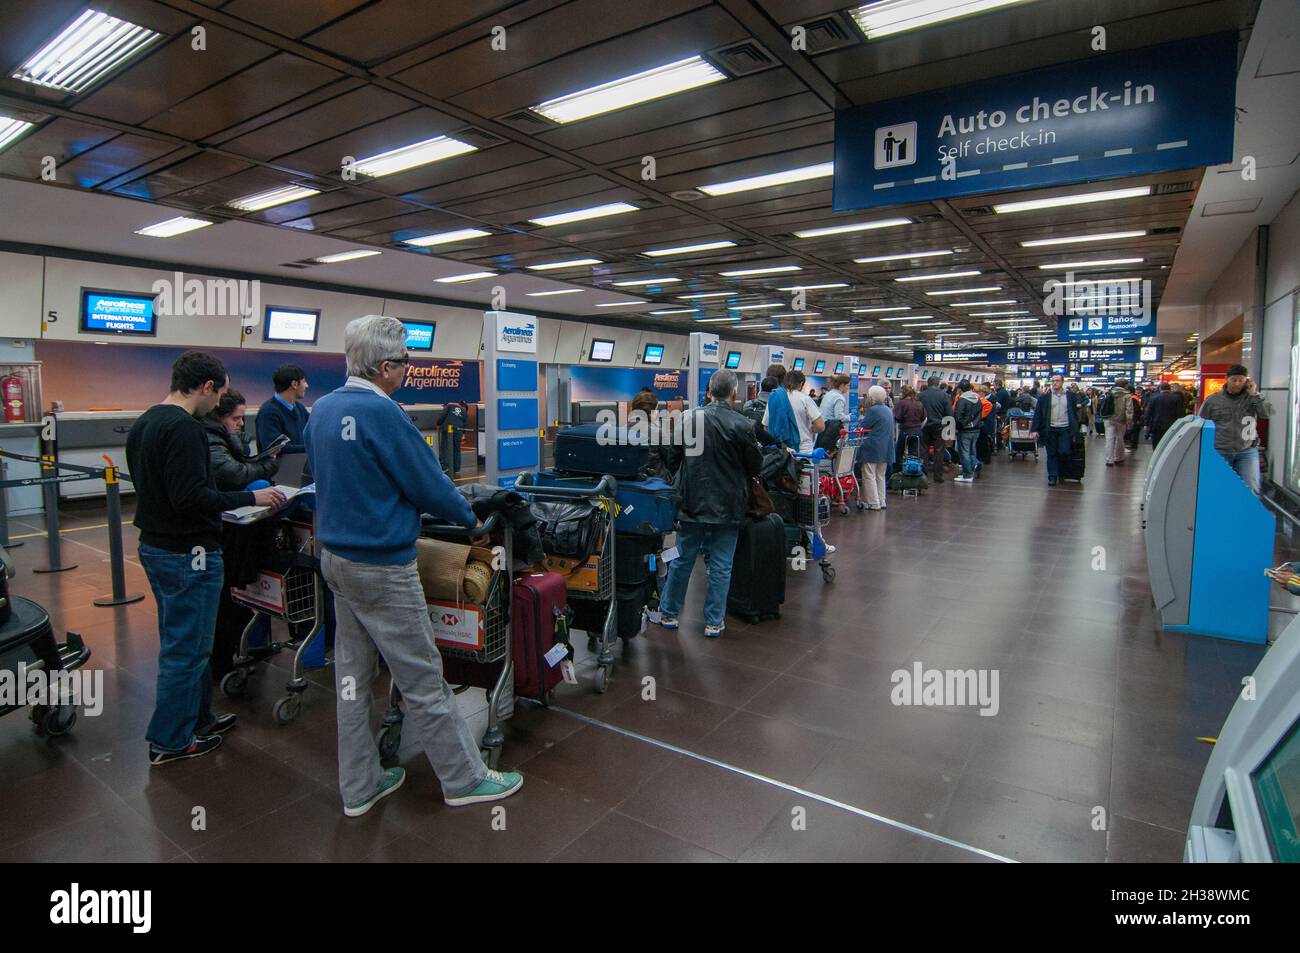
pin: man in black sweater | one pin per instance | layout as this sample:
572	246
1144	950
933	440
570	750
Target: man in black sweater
178	513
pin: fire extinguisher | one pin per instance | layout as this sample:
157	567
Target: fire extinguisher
15	402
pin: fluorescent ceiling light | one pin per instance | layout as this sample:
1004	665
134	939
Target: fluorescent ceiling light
346	256
778	331
756	324
975	304
838	284
756	307
771	270
907	317
904	257
173	227
709	294
582	214
964	291
687	249
1075	239
713	320
1099	263
954	334
804	334
677	311
813	324
627	91
620	304
855	227
1084	198
1096	282
994	314
906	307
445	238
468	276
887	17
645	281
11	129
802	174
950	274
837	340
409	157
799	314
261	200
571	263
561	291
87	50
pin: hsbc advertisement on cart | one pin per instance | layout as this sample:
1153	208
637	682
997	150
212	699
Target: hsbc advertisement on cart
1111	115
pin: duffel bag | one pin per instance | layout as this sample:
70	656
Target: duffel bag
570	530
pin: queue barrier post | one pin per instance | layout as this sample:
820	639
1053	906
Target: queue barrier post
5	541
50	494
113	495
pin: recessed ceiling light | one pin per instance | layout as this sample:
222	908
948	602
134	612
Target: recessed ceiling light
976	304
804	334
887	17
756	307
582	214
627	91
409	157
173	227
954	334
778	331
1094	282
838	284
560	291
1084	198
677	311
881	310
645	281
904	256
687	249
468	276
11	129
756	324
963	291
950	274
708	294
786	177
714	320
814	324
621	304
907	317
747	272
346	256
854	227
994	314
262	200
1099	263
88	49
1077	239
571	263
446	238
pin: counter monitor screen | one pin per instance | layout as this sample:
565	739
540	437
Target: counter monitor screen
601	350
1277	786
733	359
889	372
839	368
819	367
798	364
419	335
875	371
654	354
291	325
112	312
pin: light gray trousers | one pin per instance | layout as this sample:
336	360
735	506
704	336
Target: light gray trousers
380	610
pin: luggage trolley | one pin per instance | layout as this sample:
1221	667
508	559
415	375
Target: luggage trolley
1021	444
291	589
812	509
496	650
843	482
604	492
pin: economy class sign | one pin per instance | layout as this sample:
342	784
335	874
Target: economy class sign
1112	115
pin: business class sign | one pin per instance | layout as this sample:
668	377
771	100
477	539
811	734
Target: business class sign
1149	110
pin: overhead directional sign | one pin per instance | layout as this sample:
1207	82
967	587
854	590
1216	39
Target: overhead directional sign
1061	354
1115	324
1108	116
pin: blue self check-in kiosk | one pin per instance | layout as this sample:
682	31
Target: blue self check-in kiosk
1208	540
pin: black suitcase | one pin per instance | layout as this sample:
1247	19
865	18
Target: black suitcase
758	570
593	450
632	552
1072	467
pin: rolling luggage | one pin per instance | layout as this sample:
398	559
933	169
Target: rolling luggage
594	450
644	506
907	483
1073	466
632	557
758	570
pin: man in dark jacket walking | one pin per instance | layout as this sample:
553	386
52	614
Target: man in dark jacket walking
938	408
1056	424
1163	409
712	484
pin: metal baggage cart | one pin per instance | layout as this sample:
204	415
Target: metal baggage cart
845	487
603	492
298	599
1020	443
496	648
812	509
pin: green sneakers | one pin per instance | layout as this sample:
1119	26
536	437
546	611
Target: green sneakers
495	786
390	782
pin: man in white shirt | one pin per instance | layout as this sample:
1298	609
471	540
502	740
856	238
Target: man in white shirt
1056	422
807	415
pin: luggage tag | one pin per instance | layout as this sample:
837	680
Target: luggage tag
650	558
557	654
670	539
567	672
670	554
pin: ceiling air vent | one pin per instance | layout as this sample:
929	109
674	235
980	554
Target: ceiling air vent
1172	188
741	59
826	34
477	137
525	120
305	263
1168	230
977	211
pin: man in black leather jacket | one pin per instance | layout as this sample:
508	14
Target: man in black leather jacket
713	485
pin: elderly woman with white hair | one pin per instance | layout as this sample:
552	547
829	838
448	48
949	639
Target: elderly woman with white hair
877	447
375	475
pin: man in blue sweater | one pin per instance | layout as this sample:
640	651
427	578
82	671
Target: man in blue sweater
375	475
284	413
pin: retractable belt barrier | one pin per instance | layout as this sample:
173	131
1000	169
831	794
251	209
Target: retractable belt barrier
48	481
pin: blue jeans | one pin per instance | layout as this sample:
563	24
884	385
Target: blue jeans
1056	442
1246	463
187	616
718	543
966	440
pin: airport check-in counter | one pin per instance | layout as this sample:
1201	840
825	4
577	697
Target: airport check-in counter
1248	805
24	439
1208	541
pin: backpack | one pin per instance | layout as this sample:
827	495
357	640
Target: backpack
1106	407
754	410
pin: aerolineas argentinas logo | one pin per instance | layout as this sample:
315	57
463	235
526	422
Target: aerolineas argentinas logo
656	428
209	297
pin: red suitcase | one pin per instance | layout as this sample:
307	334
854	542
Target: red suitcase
540	620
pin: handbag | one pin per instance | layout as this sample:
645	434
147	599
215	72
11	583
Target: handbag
569	530
757	502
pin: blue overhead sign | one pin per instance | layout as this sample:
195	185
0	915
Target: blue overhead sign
1061	354
1112	115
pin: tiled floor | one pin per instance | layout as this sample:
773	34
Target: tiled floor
777	742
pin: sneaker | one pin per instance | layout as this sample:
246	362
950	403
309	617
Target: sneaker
494	786
1051	481
390	782
201	745
829	549
220	724
964	479
668	621
1109	463
714	631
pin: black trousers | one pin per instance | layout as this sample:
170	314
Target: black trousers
932	447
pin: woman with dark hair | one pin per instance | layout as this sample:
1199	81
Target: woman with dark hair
910	417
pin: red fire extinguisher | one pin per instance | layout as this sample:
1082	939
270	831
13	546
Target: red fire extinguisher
15	402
